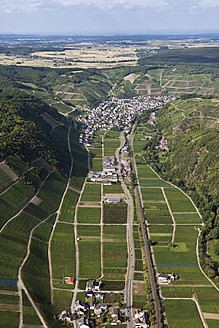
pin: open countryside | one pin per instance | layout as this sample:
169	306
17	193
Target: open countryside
103	219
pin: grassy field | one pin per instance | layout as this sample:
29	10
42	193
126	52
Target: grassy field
182	313
189	275
63	251
68	206
29	315
115	213
114	188
62	300
187	218
114	255
89	259
17	194
152	194
88	231
88	214
110	146
114	233
96	164
178	201
44	229
208	299
92	192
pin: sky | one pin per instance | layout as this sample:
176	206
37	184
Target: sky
76	17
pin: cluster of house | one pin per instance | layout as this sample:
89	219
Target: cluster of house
116	113
164	279
152	118
107	175
102	176
97	308
141	319
163	144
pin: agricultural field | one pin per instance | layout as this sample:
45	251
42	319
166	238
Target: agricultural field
112	189
182	313
174	250
17	194
110	146
63	252
88	214
97	164
29	315
115	213
89	259
91	193
7	176
114	247
68	206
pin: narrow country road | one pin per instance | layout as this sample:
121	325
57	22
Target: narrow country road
59	211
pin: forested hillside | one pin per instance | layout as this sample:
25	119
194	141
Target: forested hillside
191	127
39	154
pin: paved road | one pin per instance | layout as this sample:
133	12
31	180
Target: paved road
144	236
131	264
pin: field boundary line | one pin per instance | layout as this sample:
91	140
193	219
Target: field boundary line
26	202
58	213
171	213
197	252
21	284
76	242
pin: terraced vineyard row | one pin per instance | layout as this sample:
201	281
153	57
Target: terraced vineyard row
172	223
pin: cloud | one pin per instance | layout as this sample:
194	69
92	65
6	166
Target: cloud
8	6
209	3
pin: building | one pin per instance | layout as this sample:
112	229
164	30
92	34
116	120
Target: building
83	322
114	200
69	280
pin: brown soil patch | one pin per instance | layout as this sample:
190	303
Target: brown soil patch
36	200
9	307
8	292
5	168
214	316
138	287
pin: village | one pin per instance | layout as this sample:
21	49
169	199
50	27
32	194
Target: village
94	311
116	113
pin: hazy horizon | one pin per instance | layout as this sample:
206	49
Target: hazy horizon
108	17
